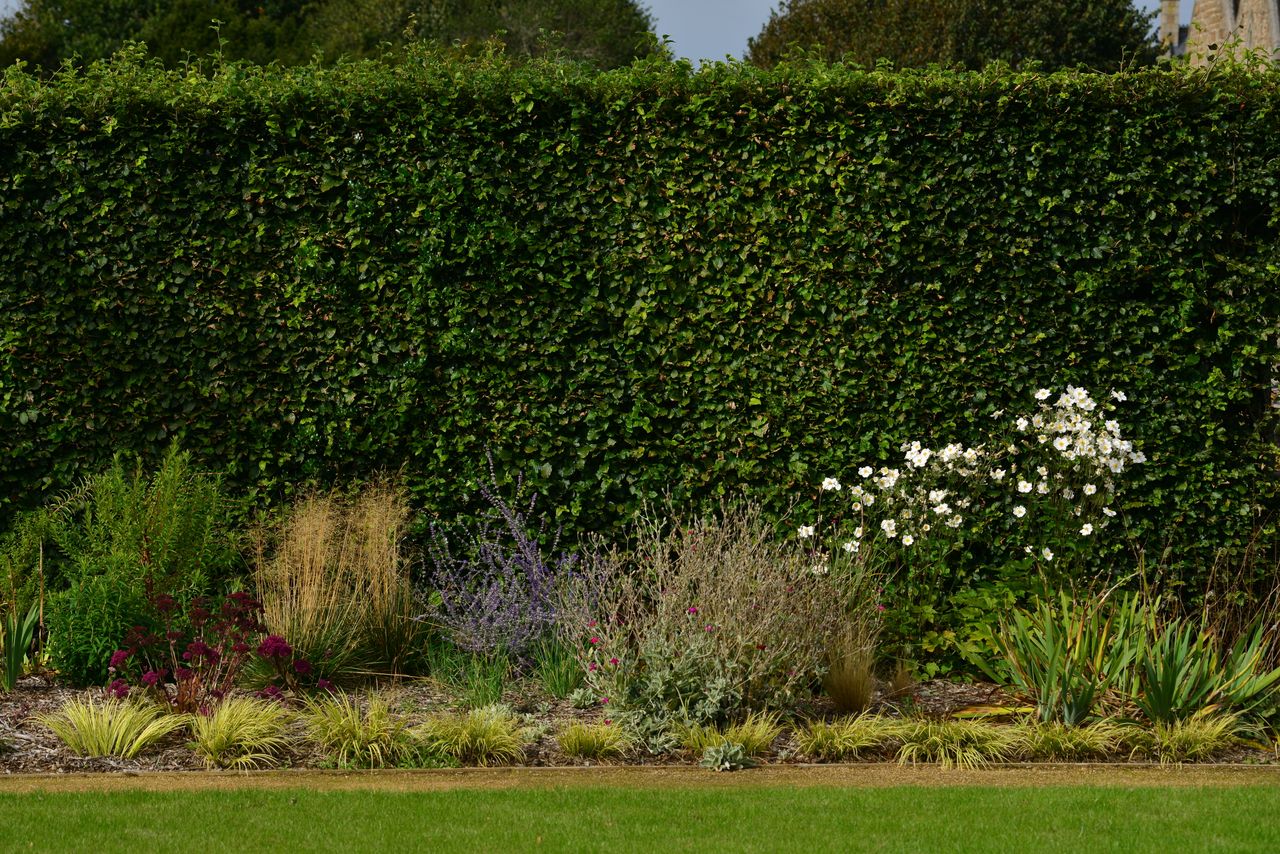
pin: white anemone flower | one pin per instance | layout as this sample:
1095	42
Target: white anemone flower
1086	530
1046	553
1108	511
907	539
1024	487
1019	511
889	527
830	484
851	546
1119	395
1043	394
1090	489
805	532
865	471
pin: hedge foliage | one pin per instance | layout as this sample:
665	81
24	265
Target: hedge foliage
642	280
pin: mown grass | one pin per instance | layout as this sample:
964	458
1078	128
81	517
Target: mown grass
578	818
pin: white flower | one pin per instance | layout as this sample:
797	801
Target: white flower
907	539
857	532
1118	395
1113	427
926	528
1115	465
831	485
954	522
942	509
1042	471
869	500
1021	424
1043	394
1027	549
997	475
1138	457
1068	493
857	491
865	471
1023	486
1061	443
1108	511
936	495
805	532
1019	511
889	527
1086	530
1042	487
1090	489
819	569
851	547
1048	555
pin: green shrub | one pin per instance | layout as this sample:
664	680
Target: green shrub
1202	736
734	279
111	727
122	532
368	737
1057	742
1066	655
484	736
242	732
755	734
955	743
706	620
847	738
594	741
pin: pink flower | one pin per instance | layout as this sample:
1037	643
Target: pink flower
711	628
608	721
595	641
604	701
614	662
592	667
693	609
591	625
879	607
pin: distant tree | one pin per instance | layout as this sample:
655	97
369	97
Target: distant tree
606	33
1101	34
45	32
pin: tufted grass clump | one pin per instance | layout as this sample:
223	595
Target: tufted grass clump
846	738
489	735
1203	736
1056	742
594	741
370	737
112	727
242	732
755	733
955	743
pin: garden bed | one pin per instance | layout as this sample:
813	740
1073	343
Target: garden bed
32	750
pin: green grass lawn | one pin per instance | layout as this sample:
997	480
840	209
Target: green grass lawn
593	818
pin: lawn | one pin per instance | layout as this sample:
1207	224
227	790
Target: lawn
739	812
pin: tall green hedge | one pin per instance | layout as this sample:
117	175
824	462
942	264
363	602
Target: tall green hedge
644	280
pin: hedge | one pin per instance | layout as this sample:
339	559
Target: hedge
639	281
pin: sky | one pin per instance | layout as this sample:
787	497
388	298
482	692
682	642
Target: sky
712	29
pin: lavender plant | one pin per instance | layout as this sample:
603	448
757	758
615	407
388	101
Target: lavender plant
496	592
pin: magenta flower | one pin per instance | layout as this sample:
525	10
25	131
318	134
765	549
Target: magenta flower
274	646
614	662
118	689
692	609
118	658
595	641
604	701
592	668
151	678
302	666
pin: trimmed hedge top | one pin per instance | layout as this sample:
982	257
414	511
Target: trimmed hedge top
638	280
